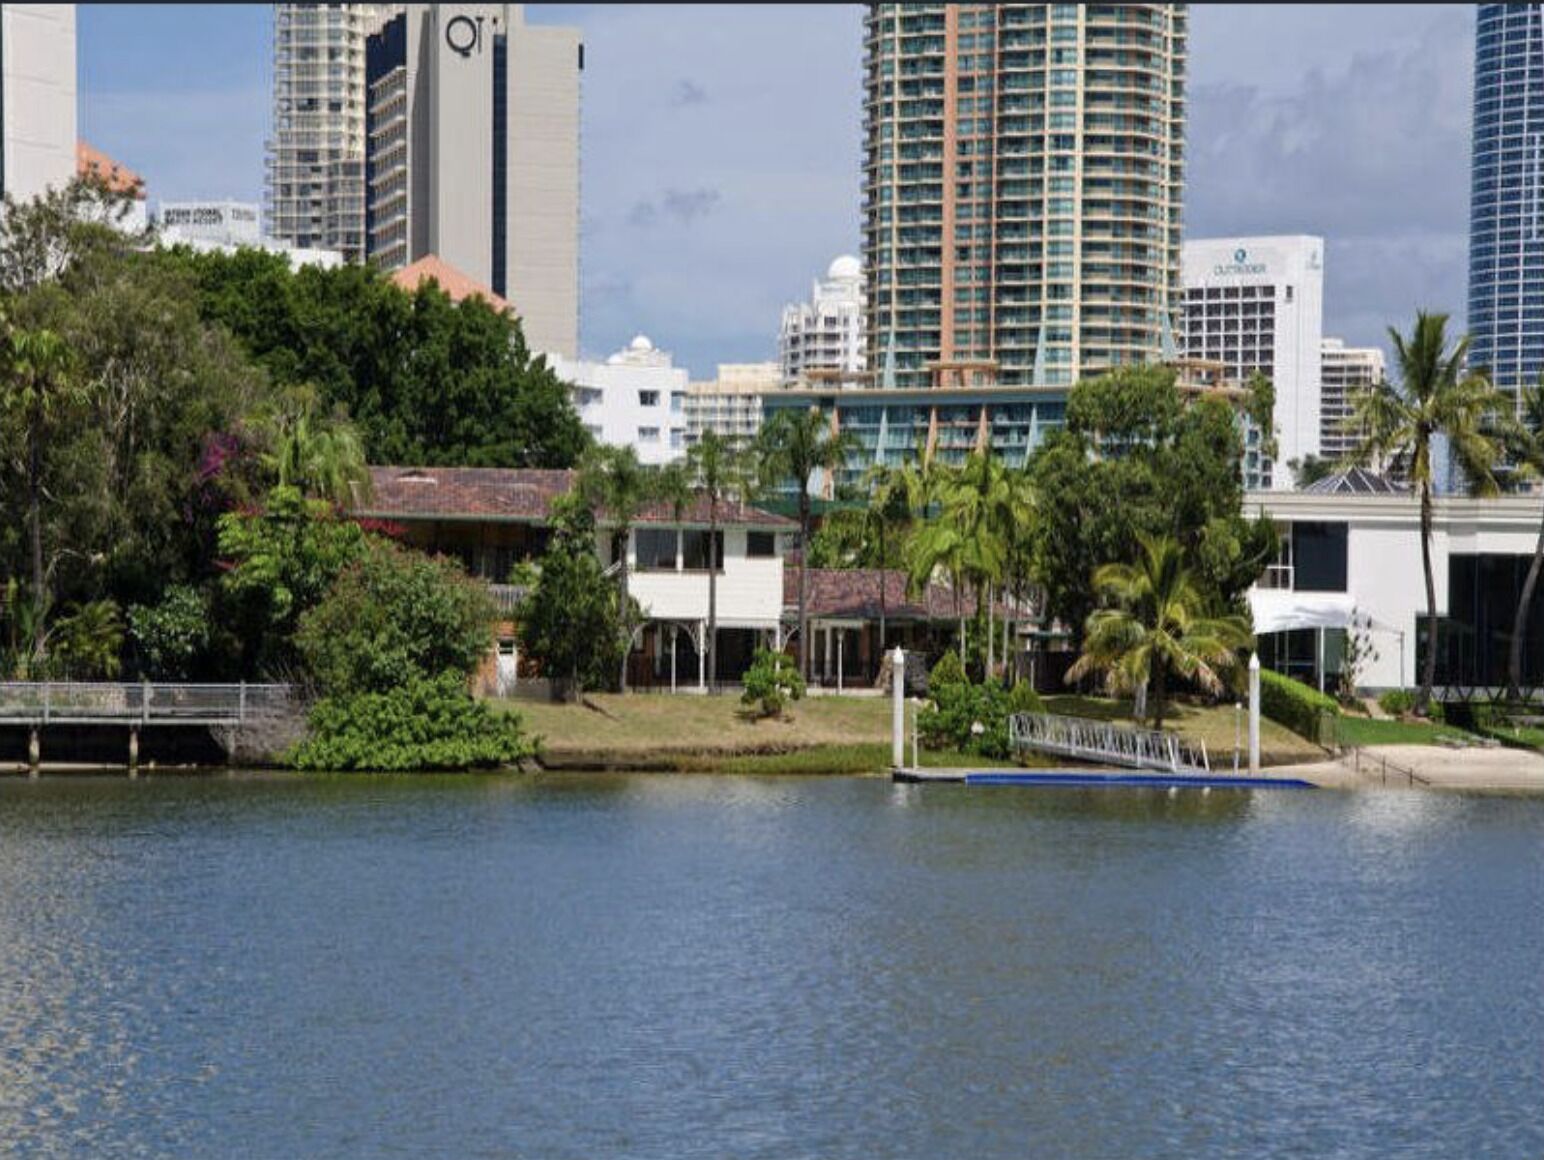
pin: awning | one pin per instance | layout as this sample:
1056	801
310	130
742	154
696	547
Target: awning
1281	610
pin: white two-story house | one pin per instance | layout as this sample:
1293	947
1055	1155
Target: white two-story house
494	518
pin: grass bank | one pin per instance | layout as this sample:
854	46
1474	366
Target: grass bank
1213	724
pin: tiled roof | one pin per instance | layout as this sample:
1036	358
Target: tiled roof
841	593
91	161
451	280
518	494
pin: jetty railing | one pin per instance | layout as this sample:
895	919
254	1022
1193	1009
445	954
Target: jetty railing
1106	743
142	703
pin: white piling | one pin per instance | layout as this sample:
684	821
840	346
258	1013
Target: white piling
898	708
1254	713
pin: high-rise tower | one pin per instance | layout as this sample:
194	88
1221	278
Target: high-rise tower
316	157
1022	187
1506	209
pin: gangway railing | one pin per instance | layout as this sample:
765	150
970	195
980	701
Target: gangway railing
143	703
1101	742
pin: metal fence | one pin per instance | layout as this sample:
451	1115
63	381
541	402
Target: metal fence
144	703
1102	742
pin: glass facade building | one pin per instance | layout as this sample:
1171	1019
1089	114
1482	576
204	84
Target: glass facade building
1506	245
1022	186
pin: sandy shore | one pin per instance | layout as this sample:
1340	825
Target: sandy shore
1439	766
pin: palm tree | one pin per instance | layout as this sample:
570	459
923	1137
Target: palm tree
324	458
37	367
887	509
795	444
1435	396
1154	625
1525	444
718	470
612	480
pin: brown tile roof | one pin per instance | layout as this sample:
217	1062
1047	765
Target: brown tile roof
92	162
853	593
517	494
451	280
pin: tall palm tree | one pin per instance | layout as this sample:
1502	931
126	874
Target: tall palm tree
718	470
1525	444
612	480
324	458
1154	625
794	445
1435	396
887	511
37	366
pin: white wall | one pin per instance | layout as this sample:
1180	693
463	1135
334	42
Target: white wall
37	58
607	397
750	591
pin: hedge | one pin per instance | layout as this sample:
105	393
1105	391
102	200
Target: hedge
1295	705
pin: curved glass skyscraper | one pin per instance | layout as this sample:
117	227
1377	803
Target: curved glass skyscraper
1506	203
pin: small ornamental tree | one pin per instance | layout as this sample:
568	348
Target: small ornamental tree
771	682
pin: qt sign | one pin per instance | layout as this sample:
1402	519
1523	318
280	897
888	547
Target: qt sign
463	35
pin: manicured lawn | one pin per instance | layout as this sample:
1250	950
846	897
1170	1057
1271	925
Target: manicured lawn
1213	724
1366	731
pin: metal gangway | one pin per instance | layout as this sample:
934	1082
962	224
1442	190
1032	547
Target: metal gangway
1102	743
139	704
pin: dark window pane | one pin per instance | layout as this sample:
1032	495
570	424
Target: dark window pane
761	545
694	550
1319	557
656	549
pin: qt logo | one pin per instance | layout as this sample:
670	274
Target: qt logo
463	34
1238	255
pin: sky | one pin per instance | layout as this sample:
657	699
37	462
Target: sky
721	148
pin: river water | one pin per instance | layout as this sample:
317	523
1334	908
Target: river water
656	966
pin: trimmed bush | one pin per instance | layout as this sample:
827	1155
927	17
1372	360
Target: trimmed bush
1397	702
1297	706
771	682
966	717
948	671
1022	698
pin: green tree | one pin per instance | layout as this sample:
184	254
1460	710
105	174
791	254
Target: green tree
1309	469
171	636
38	383
323	457
424	379
1155	625
618	487
1435	396
793	445
1525	447
1134	458
279	563
720	472
391	612
569	619
771	682
88	642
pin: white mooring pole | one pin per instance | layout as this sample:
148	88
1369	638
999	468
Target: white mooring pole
898	708
1254	713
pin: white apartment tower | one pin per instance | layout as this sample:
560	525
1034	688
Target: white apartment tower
826	333
37	98
472	131
1343	371
316	157
636	398
1257	304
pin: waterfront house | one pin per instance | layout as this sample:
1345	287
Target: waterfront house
492	519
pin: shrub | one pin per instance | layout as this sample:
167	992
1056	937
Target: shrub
424	723
1022	698
966	717
1295	705
771	682
948	671
1397	702
391	613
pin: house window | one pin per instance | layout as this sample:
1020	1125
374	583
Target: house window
694	550
648	434
656	550
677	438
648	398
1319	557
761	545
677	402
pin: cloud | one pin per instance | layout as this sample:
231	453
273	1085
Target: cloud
688	93
683	205
1373	156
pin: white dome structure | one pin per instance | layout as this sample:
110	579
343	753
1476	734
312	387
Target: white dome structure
640	343
845	266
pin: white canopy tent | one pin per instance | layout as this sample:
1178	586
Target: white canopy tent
1283	610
